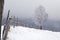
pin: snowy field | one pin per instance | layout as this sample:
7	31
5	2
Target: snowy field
23	33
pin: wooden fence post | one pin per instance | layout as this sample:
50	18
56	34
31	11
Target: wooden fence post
6	27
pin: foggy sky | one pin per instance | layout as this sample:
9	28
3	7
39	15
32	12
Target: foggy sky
26	8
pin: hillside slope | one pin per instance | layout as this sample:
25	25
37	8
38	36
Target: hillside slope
23	33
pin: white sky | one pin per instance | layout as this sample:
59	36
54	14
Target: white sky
26	8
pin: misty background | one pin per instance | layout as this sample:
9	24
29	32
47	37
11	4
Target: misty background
25	10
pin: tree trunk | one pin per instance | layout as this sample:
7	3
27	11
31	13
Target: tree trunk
1	11
41	27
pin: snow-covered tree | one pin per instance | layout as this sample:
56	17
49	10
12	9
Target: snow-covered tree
40	16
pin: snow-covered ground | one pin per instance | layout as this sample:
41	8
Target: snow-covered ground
23	33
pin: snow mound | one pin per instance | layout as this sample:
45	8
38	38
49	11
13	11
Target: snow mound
22	33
